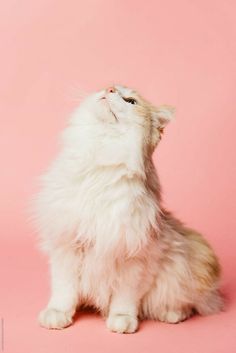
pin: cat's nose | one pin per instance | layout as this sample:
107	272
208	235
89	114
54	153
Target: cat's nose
111	89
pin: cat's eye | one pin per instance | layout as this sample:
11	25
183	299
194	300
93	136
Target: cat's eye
130	100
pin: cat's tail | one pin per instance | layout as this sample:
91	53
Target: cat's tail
211	303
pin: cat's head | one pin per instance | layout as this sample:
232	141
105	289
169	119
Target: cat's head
117	125
119	110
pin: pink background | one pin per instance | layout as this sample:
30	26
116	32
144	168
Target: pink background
177	52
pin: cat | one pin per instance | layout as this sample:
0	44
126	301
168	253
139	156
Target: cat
110	242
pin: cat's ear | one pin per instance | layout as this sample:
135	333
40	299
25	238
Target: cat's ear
161	116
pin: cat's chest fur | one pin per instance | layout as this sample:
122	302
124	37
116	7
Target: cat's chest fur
111	206
104	206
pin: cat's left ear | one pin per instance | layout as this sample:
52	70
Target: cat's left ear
161	116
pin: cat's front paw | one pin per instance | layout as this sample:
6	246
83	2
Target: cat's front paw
122	323
54	319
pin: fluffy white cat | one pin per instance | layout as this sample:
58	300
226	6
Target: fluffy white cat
110	242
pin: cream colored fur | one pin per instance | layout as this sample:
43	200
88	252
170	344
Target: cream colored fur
110	243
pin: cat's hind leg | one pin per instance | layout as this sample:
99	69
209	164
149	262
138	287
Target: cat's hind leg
187	280
167	300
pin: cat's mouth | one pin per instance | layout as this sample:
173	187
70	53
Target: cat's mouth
111	111
114	115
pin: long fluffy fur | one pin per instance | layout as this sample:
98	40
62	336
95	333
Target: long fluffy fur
100	218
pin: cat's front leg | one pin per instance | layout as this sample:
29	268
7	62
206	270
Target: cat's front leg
122	316
124	304
64	265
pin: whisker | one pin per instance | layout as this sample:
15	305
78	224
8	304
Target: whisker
76	93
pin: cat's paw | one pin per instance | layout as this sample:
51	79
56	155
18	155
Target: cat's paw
54	319
122	323
173	317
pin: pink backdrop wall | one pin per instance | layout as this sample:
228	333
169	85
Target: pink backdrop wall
177	52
